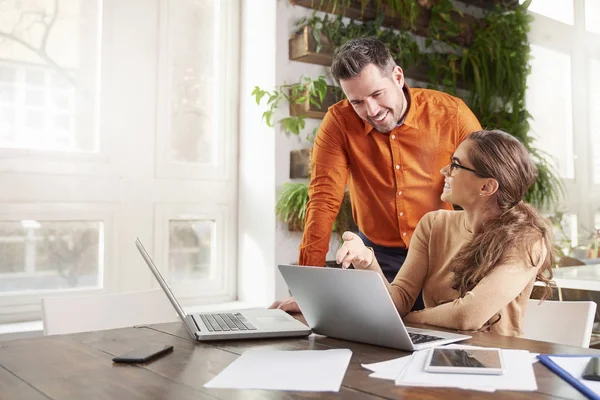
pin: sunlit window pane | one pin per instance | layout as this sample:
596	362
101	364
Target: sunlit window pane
195	90
592	16
50	255
595	118
560	10
190	249
549	102
565	232
49	52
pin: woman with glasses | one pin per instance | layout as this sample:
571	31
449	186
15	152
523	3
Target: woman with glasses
476	267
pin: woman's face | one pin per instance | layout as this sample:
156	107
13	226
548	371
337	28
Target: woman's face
462	186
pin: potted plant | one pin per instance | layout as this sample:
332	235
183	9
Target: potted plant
291	209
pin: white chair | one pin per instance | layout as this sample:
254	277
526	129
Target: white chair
564	322
72	314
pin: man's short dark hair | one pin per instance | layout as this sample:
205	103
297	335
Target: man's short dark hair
353	56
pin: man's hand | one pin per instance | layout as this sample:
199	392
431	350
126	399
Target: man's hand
354	252
288	305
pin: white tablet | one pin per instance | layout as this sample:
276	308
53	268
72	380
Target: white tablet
465	361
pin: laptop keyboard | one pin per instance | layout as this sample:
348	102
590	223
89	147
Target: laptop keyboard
418	338
226	322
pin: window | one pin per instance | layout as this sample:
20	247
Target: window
117	120
563	98
559	10
194	80
196	83
36	114
50	255
595	118
49	74
191	249
549	102
592	16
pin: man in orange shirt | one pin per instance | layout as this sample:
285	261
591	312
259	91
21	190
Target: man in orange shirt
387	142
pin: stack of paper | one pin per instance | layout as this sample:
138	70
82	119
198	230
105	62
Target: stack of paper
308	370
410	371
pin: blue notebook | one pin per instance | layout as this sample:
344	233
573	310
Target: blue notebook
567	376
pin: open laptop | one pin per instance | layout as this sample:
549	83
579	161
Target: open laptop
245	324
356	305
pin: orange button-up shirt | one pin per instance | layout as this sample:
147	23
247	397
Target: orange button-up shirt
393	178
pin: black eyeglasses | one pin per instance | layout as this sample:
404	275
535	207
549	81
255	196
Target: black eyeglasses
454	166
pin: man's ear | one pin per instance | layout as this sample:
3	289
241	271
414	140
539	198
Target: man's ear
489	187
398	76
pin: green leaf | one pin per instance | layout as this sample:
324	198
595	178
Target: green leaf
268	116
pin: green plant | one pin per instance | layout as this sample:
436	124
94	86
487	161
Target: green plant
562	238
291	205
408	9
291	209
494	70
402	45
306	89
441	24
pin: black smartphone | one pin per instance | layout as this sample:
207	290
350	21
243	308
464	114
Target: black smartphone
592	370
144	353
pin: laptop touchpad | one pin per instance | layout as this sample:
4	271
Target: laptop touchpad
275	319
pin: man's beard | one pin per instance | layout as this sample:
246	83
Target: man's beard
389	125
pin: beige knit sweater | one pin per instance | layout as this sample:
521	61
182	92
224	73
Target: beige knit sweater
504	291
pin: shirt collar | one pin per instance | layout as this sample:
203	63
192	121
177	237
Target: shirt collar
410	118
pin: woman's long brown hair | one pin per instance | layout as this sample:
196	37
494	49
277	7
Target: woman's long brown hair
518	227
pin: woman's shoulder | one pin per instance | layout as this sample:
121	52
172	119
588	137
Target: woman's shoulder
441	221
444	217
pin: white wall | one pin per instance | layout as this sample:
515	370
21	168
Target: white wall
256	229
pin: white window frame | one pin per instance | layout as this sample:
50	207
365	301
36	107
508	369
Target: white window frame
582	196
221	286
26	303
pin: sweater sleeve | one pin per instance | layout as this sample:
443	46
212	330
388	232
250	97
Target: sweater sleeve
409	281
494	292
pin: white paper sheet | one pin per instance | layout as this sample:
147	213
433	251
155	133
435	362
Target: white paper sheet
306	370
391	369
388	369
518	374
575	366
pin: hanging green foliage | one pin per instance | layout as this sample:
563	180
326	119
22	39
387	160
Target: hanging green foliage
297	93
493	70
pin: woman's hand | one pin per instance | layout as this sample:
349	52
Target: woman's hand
288	305
354	252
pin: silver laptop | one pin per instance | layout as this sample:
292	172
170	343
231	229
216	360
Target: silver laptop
245	324
356	305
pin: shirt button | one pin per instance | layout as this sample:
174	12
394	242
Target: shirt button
404	234
393	137
401	214
397	167
400	193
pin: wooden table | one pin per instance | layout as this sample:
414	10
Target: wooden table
79	366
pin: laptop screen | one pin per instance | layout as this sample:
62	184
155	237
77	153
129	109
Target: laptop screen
160	279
